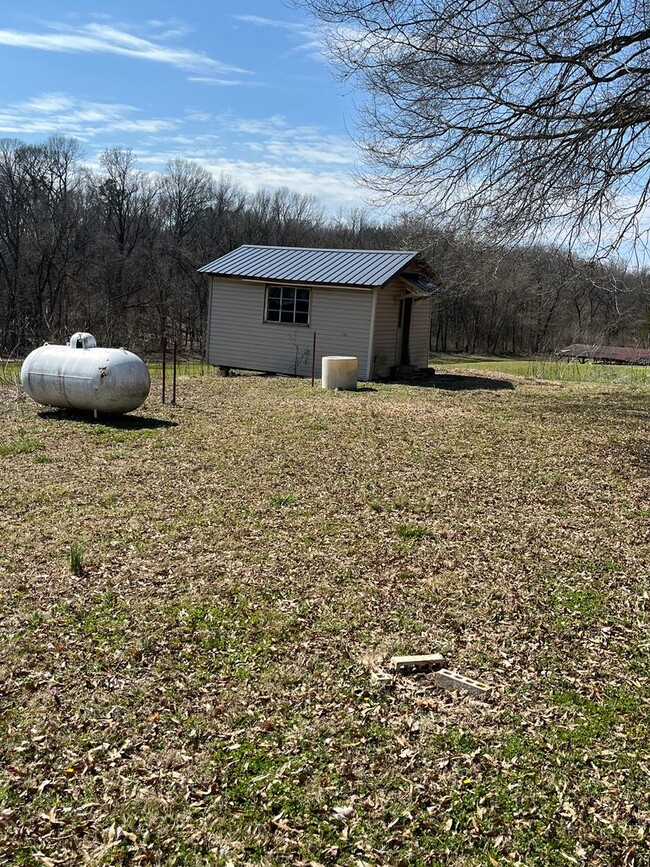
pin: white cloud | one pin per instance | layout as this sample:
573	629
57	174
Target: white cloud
266	152
287	143
171	28
260	21
221	82
334	189
47	103
99	38
52	113
309	41
263	126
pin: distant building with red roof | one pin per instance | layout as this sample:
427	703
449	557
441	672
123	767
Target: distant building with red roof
606	354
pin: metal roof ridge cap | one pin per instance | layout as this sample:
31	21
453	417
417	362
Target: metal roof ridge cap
327	249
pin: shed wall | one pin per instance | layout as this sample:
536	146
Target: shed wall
386	318
386	349
239	337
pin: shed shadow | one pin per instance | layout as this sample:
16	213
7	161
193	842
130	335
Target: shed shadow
457	382
462	382
119	422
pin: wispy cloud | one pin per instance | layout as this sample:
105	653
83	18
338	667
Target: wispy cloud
334	189
294	26
169	28
308	40
52	113
101	38
256	152
289	143
265	152
224	82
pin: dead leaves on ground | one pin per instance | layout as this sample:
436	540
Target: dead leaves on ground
214	688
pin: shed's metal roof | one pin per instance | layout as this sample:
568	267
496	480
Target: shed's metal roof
363	268
419	286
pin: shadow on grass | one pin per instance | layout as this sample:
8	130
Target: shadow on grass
119	422
458	382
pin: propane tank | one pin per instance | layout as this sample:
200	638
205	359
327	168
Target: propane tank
82	375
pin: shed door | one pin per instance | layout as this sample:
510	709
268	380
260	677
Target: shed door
404	331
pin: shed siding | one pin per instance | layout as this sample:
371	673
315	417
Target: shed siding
386	319
386	348
240	338
420	330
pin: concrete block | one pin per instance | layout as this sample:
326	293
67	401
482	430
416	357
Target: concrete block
413	663
453	680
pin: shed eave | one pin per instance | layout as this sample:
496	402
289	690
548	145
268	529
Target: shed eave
240	278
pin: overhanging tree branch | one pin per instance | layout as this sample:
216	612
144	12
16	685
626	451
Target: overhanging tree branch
515	118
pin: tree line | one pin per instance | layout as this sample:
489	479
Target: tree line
115	251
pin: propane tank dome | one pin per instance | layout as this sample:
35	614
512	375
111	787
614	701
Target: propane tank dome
82	340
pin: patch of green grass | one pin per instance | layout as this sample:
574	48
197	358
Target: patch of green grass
284	500
587	603
596	719
412	531
42	459
106	435
21	447
10	373
551	369
102	620
76	558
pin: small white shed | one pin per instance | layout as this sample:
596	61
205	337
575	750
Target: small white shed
267	303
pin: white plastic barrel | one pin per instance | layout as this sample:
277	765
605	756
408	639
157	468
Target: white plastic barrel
340	371
104	380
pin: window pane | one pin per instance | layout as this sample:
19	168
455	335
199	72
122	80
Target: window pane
302	306
302	295
287	316
287	304
288	294
301	318
273	296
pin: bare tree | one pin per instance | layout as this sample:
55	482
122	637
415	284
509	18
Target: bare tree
124	198
56	231
187	195
187	190
517	119
19	163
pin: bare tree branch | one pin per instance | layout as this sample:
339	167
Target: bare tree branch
518	119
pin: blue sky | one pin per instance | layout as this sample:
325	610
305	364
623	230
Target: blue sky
241	87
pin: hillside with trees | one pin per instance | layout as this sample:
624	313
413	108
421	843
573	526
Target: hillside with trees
115	251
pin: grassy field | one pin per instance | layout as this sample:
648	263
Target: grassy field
551	369
198	605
